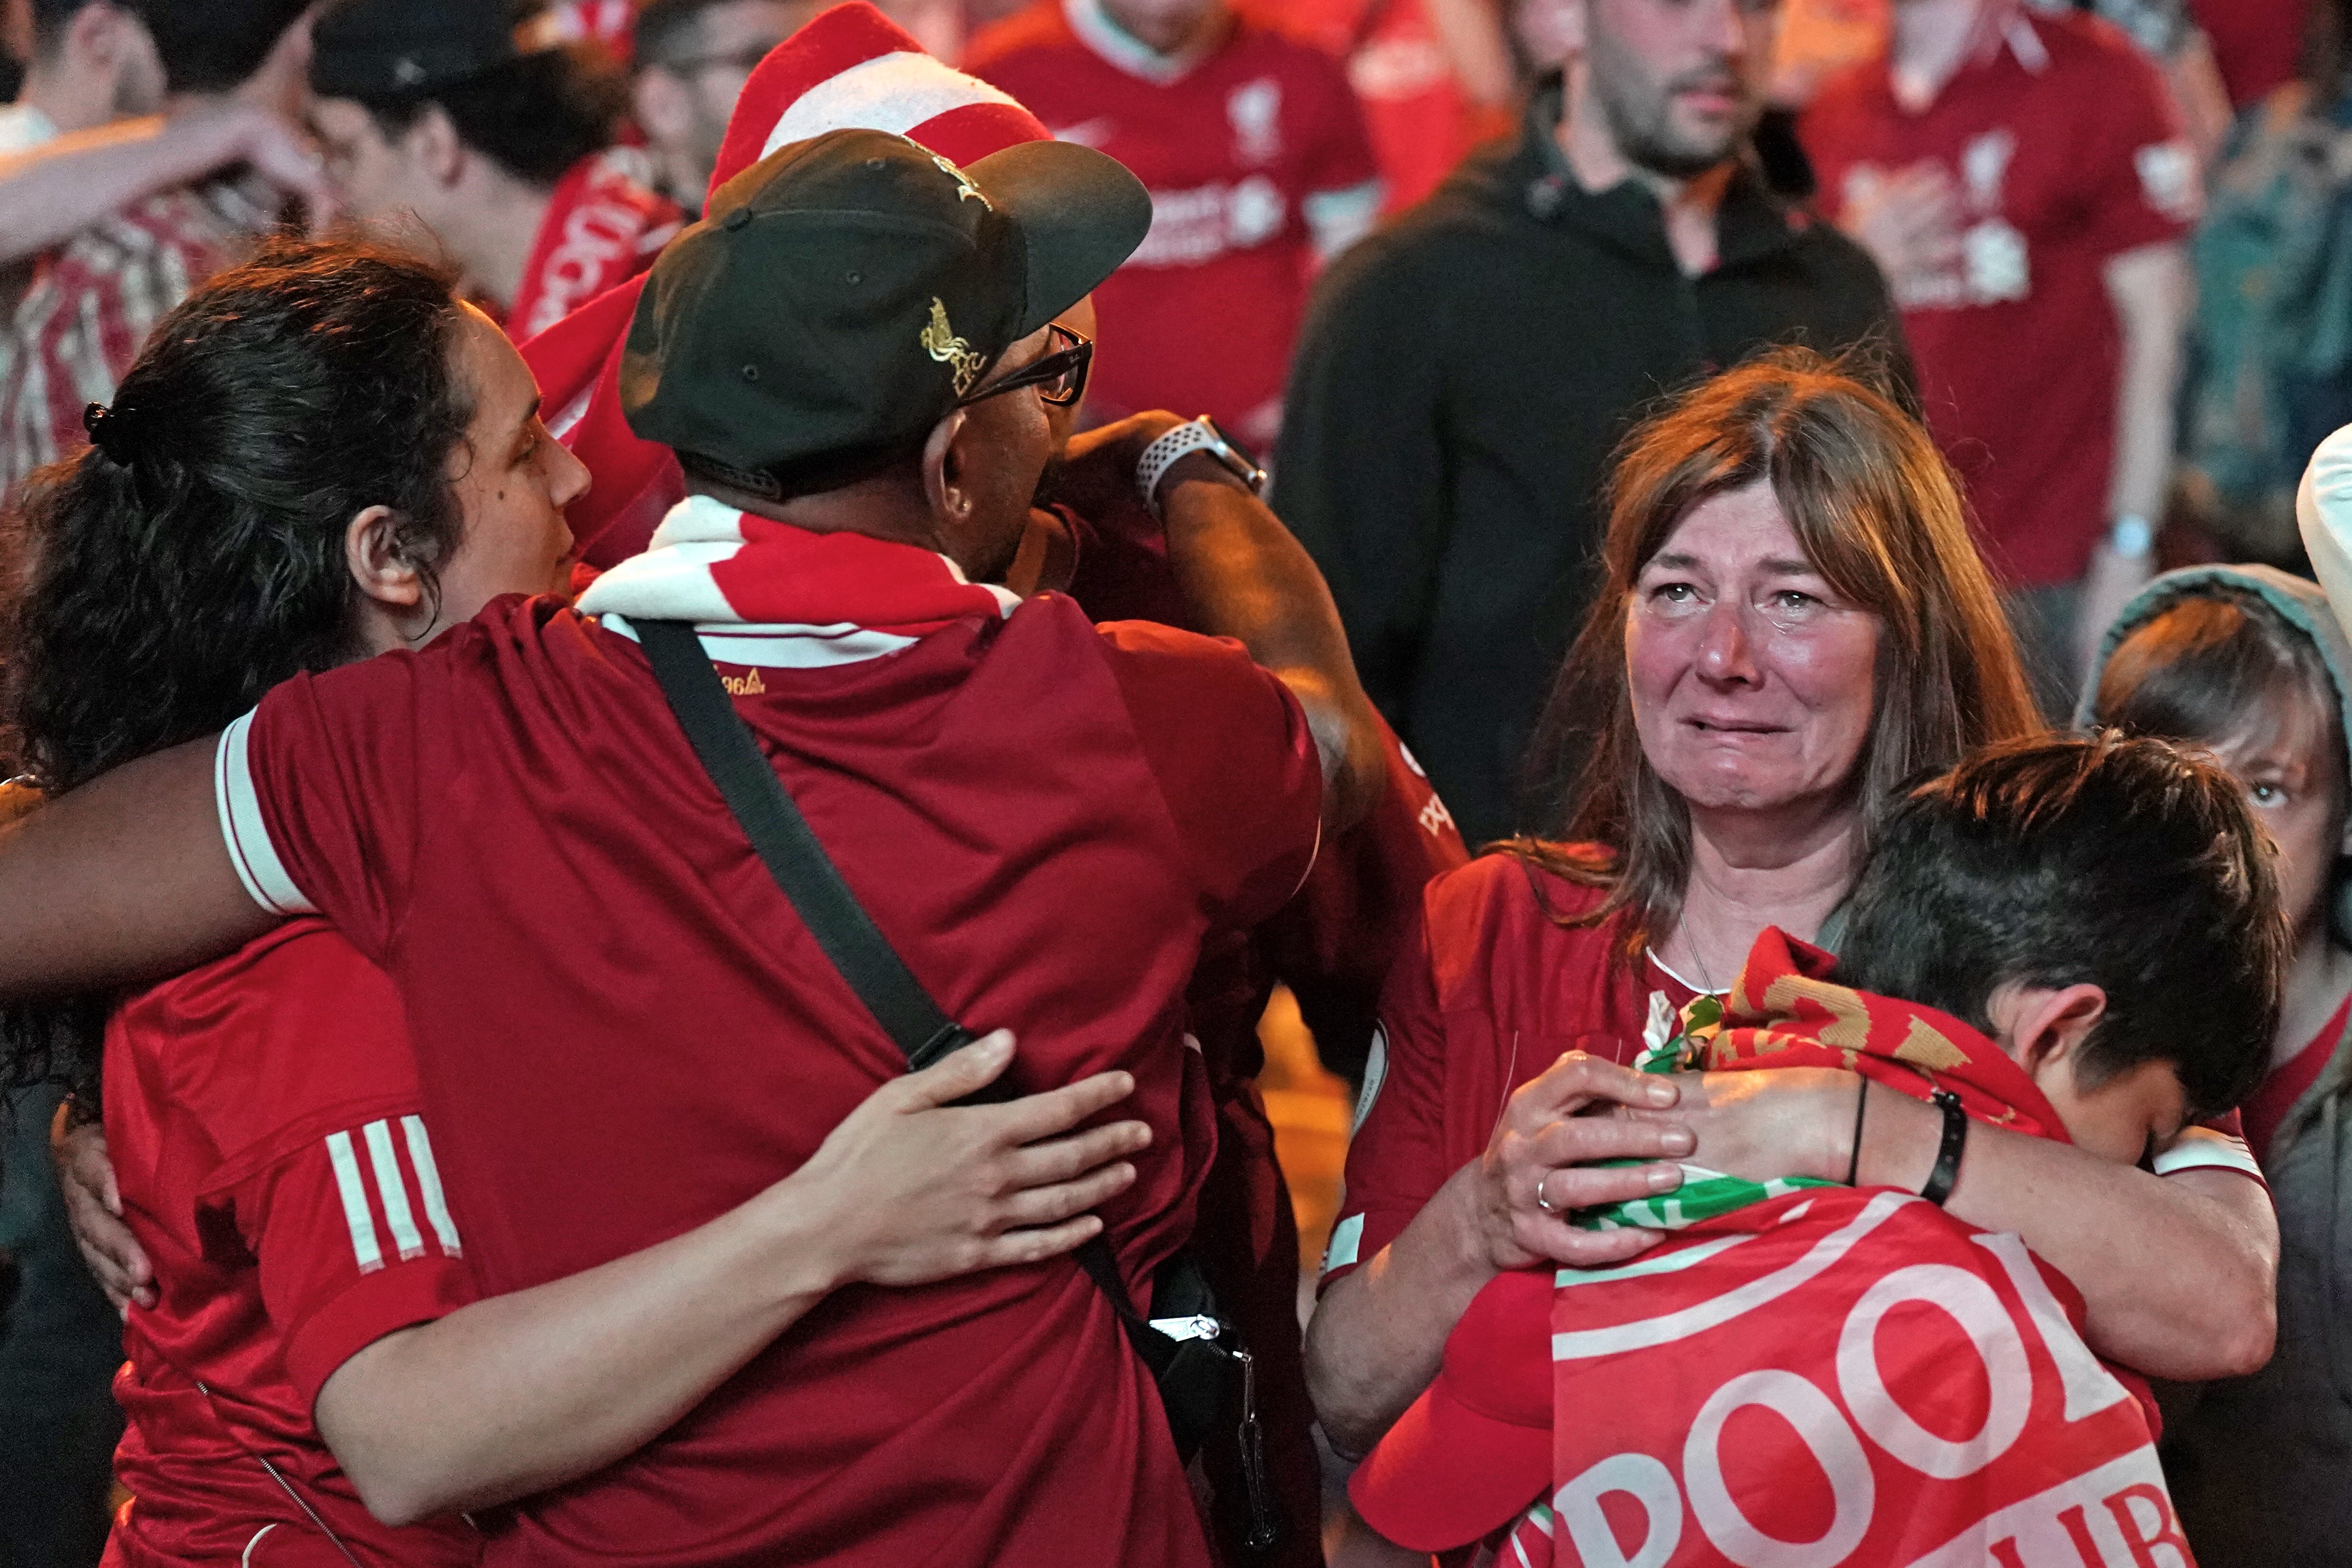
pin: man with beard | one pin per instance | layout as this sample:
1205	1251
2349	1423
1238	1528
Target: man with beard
1463	375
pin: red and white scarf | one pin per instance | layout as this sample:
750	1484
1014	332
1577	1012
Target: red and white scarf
603	228
1851	1376
768	595
1838	1376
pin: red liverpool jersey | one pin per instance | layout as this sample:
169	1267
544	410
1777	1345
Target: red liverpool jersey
622	1030
2062	150
263	1117
1420	121
1248	150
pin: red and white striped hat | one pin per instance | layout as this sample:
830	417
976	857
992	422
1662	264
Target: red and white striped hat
851	69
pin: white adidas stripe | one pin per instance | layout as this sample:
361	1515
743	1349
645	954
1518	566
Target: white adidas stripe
393	1191
250	851
393	1188
353	1186
428	1181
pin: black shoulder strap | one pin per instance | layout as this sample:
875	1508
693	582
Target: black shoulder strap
788	848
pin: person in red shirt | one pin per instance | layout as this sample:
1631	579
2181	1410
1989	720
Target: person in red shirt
1991	893
1056	861
2023	181
2257	44
274	1154
1731	704
1255	152
498	139
1435	77
1332	943
2248	662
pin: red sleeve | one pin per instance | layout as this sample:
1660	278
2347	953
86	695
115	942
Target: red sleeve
1396	1156
325	1160
1235	761
355	1241
323	792
1336	944
2143	187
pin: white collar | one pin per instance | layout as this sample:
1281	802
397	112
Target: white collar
1130	54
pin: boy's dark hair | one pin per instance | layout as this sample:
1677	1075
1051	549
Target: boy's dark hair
534	116
2125	863
213	45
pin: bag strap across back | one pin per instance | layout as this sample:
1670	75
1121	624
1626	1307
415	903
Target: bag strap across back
788	848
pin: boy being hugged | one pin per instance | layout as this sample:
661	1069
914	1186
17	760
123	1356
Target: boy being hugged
1806	1371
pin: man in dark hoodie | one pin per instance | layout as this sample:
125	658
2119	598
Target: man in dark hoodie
1462	376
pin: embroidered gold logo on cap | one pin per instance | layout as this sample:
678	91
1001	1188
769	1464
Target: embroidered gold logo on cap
940	340
965	190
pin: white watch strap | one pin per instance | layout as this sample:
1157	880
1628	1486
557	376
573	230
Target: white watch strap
1192	436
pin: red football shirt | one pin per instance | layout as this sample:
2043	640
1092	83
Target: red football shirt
266	1129
622	1030
1420	122
1490	994
1237	149
1333	944
2064	150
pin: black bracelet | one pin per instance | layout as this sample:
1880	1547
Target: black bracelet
1946	1173
1861	1104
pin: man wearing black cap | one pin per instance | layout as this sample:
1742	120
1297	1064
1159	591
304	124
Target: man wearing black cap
852	358
471	119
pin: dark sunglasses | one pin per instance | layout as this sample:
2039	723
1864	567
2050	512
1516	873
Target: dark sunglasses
1060	377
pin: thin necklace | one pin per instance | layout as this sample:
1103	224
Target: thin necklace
1706	990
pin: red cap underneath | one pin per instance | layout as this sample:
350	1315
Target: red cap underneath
1475	1447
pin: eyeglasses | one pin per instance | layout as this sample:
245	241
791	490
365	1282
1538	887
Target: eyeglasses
1060	377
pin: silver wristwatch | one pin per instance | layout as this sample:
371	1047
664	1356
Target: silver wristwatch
1200	434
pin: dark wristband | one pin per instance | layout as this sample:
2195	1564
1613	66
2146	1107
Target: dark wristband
1854	1161
1946	1173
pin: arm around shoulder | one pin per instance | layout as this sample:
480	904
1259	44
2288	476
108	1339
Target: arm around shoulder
127	878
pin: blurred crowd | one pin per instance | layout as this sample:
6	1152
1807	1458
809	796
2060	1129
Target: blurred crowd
1424	263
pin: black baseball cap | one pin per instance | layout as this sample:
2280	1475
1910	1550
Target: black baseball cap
843	291
383	48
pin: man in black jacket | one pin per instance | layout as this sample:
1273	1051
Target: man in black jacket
1463	375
